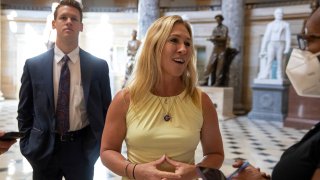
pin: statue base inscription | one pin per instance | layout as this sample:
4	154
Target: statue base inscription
222	97
270	101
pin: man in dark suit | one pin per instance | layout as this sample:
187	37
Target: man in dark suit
63	134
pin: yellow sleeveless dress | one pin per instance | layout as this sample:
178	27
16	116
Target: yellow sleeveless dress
149	136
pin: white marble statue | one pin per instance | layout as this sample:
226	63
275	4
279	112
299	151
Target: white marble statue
49	33
275	44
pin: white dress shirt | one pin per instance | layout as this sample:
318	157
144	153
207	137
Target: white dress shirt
78	116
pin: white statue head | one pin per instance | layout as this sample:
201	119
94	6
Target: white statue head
278	14
54	6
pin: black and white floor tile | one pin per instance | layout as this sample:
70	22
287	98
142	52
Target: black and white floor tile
258	141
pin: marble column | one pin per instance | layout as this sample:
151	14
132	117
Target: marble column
1	94
233	13
148	12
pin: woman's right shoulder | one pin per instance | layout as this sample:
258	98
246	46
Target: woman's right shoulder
122	97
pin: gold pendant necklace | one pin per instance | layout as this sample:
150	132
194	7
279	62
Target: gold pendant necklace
167	116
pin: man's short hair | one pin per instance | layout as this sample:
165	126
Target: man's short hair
219	16
72	3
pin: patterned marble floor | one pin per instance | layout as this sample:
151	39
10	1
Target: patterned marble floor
260	142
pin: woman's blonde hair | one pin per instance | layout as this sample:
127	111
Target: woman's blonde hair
147	71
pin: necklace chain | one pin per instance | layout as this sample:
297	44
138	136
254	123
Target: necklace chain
167	116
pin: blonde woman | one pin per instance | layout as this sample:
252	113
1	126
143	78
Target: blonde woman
161	115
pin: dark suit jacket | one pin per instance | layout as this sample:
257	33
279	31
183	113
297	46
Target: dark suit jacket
36	110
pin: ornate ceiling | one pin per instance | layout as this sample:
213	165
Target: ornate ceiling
131	5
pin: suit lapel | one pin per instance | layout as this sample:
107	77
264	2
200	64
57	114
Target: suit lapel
86	73
47	73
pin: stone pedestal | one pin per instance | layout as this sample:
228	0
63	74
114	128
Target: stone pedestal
222	97
270	100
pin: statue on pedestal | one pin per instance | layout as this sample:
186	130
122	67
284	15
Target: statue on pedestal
218	66
275	44
132	48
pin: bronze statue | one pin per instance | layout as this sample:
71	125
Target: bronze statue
221	57
132	48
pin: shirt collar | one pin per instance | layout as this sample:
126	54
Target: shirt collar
72	55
